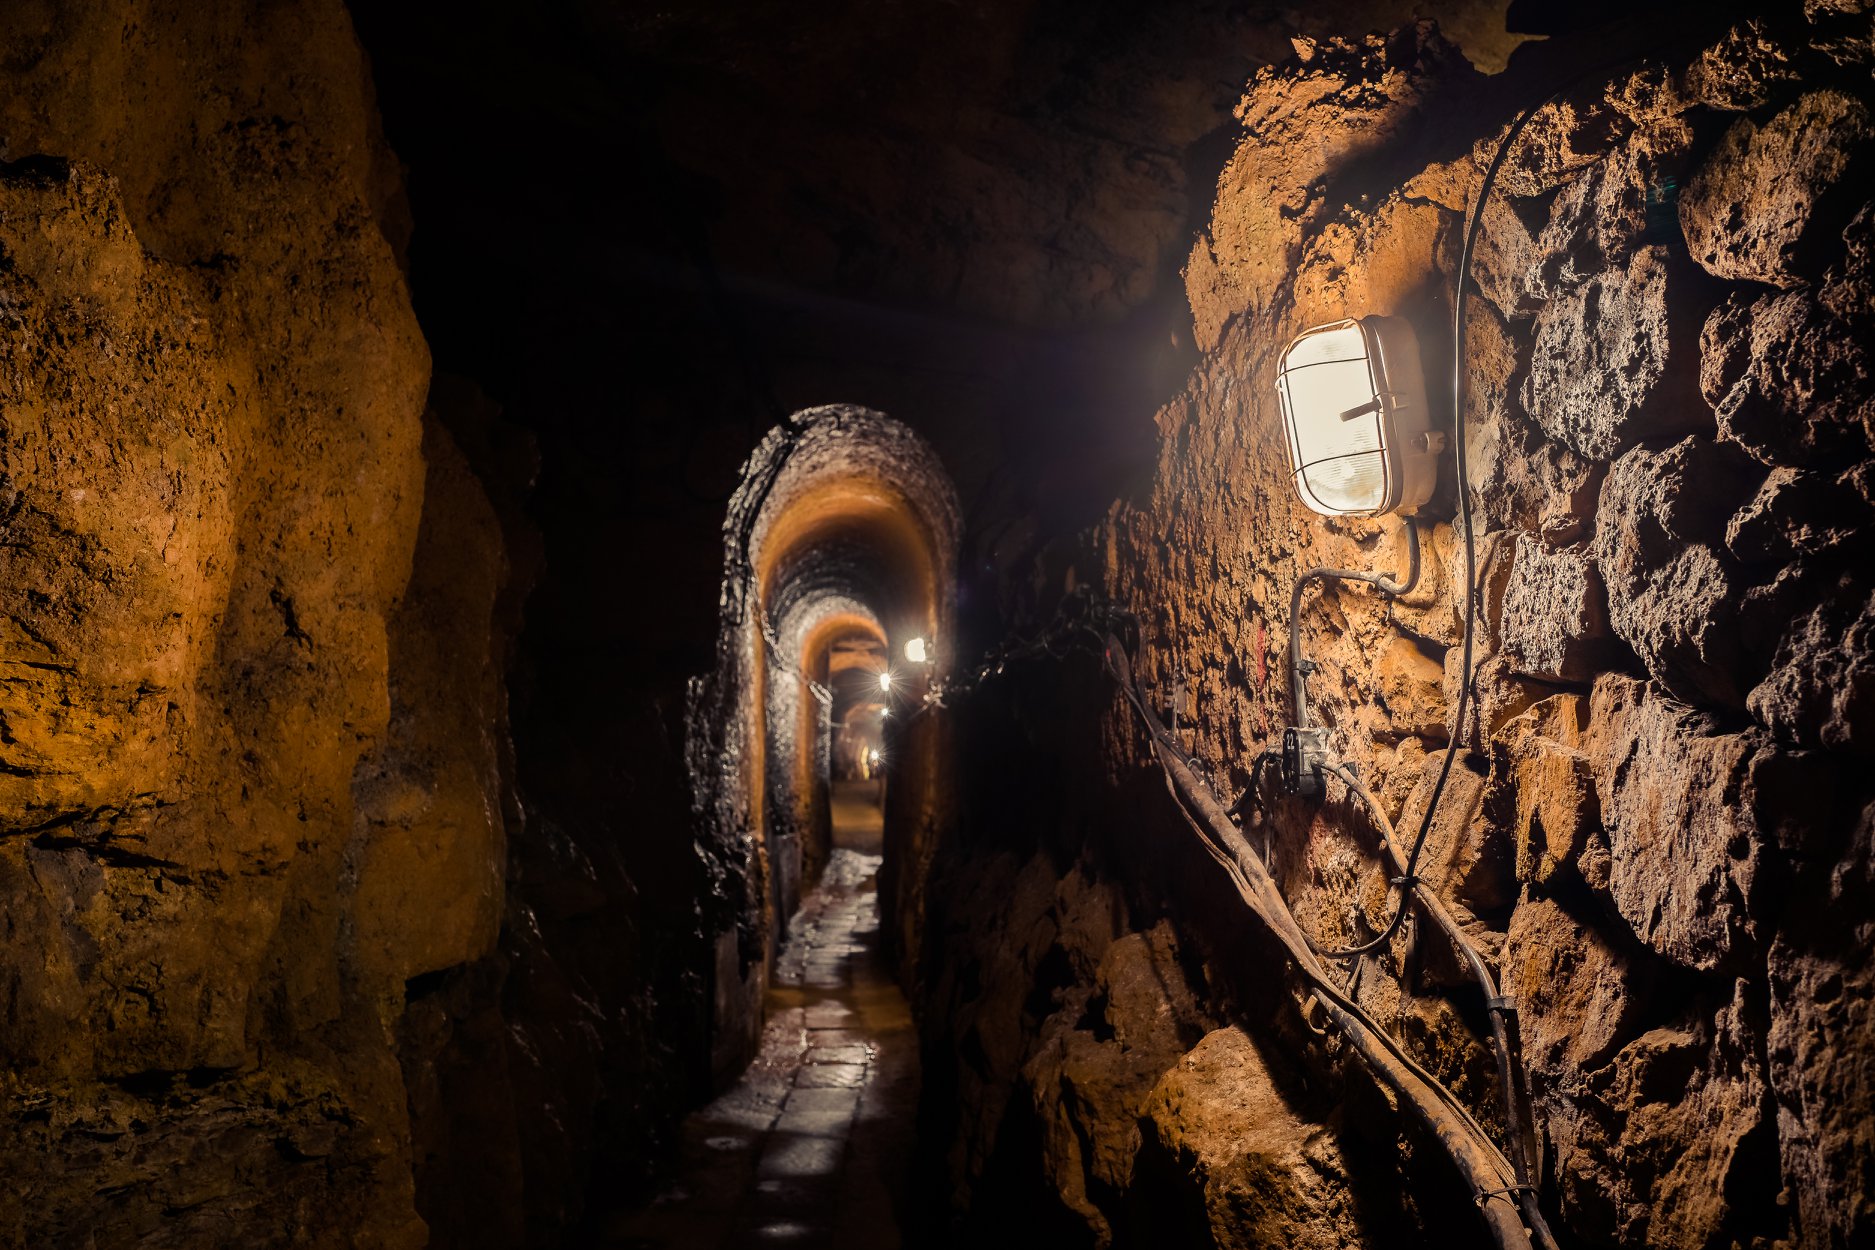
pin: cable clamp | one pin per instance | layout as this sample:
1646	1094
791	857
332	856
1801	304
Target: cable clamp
1503	1006
1485	1195
1407	882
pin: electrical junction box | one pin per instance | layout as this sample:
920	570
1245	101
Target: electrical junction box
1305	753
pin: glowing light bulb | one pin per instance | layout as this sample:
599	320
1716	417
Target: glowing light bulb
885	681
914	651
1356	420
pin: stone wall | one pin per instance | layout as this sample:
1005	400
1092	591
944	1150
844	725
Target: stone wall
1658	828
250	779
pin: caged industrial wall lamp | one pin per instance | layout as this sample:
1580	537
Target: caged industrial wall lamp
1359	431
1361	443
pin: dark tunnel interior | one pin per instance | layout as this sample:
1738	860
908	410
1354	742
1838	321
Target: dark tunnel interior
936	623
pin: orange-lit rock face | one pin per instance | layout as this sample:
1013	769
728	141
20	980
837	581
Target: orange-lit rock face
213	389
1673	591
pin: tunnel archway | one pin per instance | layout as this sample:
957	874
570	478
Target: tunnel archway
842	534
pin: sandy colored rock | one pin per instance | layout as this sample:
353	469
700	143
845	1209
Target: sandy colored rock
1301	124
1579	999
1049	931
1098	1062
1525	481
211	473
1616	360
1542	786
1685	857
1771	199
1264	1175
1412	683
1498	693
1555	617
430	844
1370	267
1784	374
1465	859
192	1158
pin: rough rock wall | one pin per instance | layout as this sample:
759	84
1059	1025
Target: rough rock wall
248	763
1658	830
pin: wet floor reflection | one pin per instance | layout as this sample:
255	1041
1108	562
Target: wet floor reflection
812	1146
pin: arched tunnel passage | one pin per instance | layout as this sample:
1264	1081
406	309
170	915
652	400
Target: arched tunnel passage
819	794
840	548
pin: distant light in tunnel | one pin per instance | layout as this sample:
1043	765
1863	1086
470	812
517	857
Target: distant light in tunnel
914	651
885	681
1356	420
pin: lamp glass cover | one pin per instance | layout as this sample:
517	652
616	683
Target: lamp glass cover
1333	411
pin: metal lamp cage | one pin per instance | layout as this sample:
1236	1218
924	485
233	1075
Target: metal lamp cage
1355	418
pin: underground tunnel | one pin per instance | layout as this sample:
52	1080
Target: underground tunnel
937	624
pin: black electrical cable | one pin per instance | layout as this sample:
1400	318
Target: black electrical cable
1298	675
1263	760
1383	582
1459	317
1511	1074
1513	1090
1467	1142
1408	879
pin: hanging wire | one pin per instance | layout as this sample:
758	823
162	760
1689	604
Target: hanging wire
1081	623
1408	877
1491	1174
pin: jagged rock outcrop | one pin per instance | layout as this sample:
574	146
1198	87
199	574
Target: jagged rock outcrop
249	777
1781	372
1770	202
1262	1174
1657	831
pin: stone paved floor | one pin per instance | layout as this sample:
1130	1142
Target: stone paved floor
812	1147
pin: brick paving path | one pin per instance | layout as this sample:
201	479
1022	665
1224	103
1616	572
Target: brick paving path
812	1147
